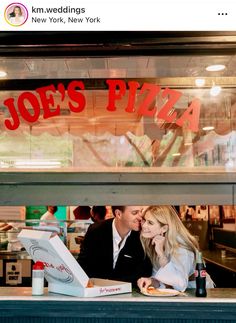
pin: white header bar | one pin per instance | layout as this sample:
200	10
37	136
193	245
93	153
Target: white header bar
117	15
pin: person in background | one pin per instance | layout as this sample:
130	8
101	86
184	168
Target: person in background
82	212
50	214
190	213
171	248
98	213
49	222
112	249
84	216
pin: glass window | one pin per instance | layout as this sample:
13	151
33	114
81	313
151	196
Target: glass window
166	113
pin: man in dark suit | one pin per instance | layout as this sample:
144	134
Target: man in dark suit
112	249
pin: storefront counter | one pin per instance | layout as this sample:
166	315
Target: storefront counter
215	257
221	269
17	305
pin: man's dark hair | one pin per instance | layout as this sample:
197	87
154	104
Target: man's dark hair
121	208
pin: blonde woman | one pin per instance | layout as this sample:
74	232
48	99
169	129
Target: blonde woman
171	249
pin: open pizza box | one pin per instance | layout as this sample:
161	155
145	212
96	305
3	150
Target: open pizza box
62	271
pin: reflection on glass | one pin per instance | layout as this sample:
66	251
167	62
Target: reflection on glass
97	138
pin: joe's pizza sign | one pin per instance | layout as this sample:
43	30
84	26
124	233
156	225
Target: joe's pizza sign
30	105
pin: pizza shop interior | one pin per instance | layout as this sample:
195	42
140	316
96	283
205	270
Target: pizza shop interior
213	226
88	121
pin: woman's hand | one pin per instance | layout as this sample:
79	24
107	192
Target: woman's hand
159	241
144	282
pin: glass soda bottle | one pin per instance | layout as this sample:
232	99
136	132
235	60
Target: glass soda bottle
200	276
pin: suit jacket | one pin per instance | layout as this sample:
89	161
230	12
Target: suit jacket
96	255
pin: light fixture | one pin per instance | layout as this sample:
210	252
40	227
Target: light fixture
3	74
215	90
208	128
188	144
35	163
200	82
215	68
176	154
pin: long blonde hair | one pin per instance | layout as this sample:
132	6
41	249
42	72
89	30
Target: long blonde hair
176	236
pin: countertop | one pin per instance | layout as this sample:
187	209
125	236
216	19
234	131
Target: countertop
223	295
214	256
17	305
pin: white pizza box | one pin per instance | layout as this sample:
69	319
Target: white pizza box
62	271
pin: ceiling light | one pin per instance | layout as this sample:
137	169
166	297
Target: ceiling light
176	154
188	144
215	68
200	82
215	90
35	163
3	74
208	128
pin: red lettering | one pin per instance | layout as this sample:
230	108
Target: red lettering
190	117
34	103
112	92
46	264
76	96
47	101
144	107
109	290
133	86
166	111
28	104
9	103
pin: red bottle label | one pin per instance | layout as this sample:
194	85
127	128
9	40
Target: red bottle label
201	273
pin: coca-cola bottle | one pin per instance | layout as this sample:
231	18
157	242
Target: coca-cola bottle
200	276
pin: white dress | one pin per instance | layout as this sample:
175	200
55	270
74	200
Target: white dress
177	271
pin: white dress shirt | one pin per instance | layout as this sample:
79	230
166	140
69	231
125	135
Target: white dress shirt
118	243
